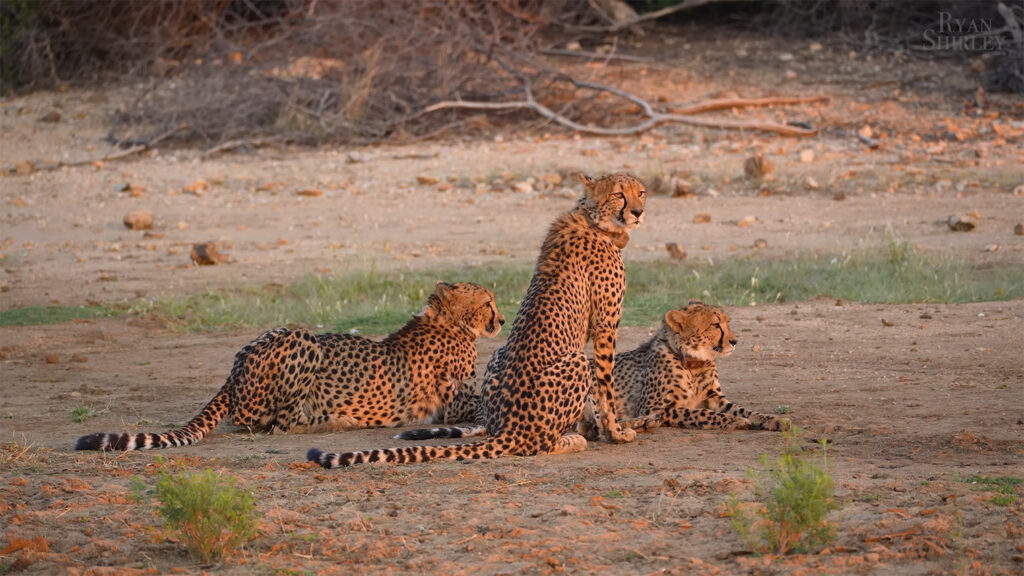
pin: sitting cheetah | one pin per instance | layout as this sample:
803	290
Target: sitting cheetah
294	381
672	380
537	384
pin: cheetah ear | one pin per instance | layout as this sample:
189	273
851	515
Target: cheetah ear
588	182
679	321
442	288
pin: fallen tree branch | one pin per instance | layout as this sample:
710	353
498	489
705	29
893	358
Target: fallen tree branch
645	17
595	55
653	119
233	144
726	103
116	155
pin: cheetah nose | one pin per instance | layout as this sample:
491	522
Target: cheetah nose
636	212
733	341
501	321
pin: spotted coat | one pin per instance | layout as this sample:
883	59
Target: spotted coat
296	381
537	384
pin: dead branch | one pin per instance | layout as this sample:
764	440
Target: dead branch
117	155
240	143
653	118
645	17
896	536
595	55
727	103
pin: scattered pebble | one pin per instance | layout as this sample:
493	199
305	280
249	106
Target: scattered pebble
681	188
991	248
52	359
760	243
139	220
758	167
1019	229
675	251
310	192
702	218
887	324
206	254
810	183
839	196
52	116
197	187
807	156
24	168
427	180
962	222
746	221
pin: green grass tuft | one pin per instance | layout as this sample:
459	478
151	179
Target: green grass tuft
1004	486
36	315
375	302
795	494
208	512
82	413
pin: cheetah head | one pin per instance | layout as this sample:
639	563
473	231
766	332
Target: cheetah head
699	331
467	305
614	203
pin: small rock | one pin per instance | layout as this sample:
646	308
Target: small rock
786	57
24	168
574	45
197	187
522	187
746	221
790	74
133	190
681	188
962	222
760	243
1019	190
427	180
355	158
675	251
153	235
52	359
52	116
887	324
553	178
810	183
807	156
702	218
865	132
758	167
206	254
79	358
139	220
764	191
839	196
991	248
445	186
815	47
1019	229
310	192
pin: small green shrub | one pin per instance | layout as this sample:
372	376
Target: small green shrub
795	494
1005	486
82	413
208	513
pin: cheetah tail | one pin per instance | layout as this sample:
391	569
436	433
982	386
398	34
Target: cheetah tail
490	448
452	432
191	433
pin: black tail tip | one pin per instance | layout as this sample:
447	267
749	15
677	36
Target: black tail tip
91	442
314	455
421	434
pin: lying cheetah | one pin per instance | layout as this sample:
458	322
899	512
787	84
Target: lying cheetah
672	379
537	384
294	381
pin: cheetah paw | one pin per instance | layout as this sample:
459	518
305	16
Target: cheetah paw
623	436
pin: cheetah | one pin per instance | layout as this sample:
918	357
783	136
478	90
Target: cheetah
536	385
297	382
672	379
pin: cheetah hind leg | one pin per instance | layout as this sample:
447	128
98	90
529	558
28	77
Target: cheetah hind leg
569	443
646	423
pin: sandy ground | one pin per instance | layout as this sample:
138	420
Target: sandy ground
911	407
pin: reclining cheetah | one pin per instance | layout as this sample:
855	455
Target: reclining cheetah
672	379
295	381
537	384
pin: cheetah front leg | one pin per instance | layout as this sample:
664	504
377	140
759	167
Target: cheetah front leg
757	420
604	388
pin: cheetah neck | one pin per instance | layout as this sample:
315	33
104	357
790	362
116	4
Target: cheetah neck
696	365
618	238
